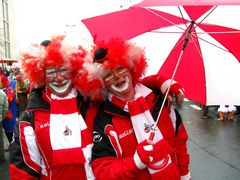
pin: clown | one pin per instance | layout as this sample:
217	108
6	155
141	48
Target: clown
52	139
122	147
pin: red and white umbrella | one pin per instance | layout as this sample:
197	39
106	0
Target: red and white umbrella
208	68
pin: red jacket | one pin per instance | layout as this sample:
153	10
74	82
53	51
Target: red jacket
32	154
115	143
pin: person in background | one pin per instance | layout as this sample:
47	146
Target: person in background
13	83
3	111
127	144
14	71
22	90
53	138
9	121
224	110
205	110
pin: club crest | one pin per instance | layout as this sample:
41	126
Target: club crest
148	127
67	131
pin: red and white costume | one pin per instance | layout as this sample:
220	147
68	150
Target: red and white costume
122	128
49	147
115	143
53	138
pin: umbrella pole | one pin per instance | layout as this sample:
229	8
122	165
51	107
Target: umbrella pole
152	134
165	97
186	40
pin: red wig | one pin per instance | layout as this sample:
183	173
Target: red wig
112	54
4	80
55	54
18	77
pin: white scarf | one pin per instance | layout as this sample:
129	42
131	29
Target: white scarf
68	129
141	117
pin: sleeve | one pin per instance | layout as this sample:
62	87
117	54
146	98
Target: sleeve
5	106
107	162
26	89
182	155
10	95
162	83
110	167
25	159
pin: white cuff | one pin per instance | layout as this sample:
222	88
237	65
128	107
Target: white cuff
186	177
138	161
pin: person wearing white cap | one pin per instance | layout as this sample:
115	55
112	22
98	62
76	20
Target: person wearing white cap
224	110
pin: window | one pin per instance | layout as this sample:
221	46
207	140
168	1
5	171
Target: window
6	35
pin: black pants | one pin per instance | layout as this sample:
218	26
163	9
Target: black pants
9	136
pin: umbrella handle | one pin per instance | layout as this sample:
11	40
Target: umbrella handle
165	160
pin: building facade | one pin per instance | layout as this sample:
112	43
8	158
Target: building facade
7	30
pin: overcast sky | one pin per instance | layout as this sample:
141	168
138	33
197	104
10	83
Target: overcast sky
37	20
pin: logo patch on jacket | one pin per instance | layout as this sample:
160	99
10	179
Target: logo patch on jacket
125	133
67	131
148	127
96	136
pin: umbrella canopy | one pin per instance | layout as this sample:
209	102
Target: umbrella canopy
128	23
146	3
6	60
208	67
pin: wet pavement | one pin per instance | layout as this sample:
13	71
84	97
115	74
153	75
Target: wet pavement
4	165
214	146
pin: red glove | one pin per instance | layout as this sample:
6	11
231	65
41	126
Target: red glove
142	154
162	83
160	150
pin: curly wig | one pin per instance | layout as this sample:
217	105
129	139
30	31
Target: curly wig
105	56
51	53
4	81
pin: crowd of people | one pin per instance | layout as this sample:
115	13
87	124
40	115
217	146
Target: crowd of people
78	110
10	86
222	112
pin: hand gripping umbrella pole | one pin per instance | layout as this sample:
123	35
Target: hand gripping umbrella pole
152	134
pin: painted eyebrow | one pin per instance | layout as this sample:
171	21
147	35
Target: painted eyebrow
50	70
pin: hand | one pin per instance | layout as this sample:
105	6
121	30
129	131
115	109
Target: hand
180	98
160	150
142	156
150	152
161	155
170	99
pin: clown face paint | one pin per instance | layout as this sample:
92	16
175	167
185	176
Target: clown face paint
118	81
58	81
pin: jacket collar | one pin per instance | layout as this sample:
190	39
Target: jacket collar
110	108
36	100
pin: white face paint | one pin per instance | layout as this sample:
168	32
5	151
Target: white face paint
122	87
60	88
58	81
118	82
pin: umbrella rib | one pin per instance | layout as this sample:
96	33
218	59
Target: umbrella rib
202	38
164	19
196	24
221	32
206	42
184	20
158	31
212	44
198	50
214	32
